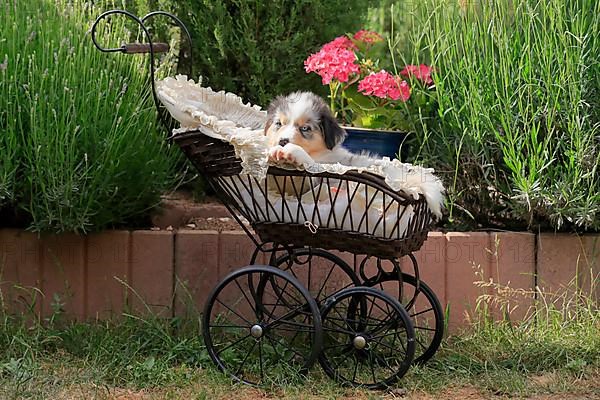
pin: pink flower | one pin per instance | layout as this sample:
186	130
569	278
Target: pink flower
421	72
332	63
368	36
340	42
384	85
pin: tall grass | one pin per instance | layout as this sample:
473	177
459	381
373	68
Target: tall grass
559	343
8	142
517	128
88	153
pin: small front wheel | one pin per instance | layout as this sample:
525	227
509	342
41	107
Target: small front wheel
423	307
370	346
257	339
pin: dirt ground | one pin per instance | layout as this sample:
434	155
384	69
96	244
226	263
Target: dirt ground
463	393
547	386
180	211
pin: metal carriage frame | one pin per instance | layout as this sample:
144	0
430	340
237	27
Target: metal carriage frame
364	323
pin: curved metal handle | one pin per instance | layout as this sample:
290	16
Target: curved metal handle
139	48
181	25
122	12
150	48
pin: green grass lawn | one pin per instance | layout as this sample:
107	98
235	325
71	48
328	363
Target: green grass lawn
553	354
65	377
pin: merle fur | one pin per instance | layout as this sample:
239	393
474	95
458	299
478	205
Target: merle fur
333	133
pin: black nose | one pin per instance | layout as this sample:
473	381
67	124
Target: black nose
283	142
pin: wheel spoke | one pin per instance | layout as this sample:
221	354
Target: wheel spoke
420	343
291	313
325	282
232	344
246	297
245	358
388	334
372	367
229	326
355	368
274	347
423	316
230	309
284	343
386	346
278	298
421	312
344	319
309	328
424	328
260	358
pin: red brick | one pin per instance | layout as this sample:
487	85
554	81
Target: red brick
467	254
107	265
342	279
196	269
63	274
20	262
431	259
561	258
151	272
235	251
513	267
590	273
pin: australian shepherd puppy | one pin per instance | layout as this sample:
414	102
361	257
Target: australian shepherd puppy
302	130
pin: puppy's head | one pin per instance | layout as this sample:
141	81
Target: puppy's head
304	119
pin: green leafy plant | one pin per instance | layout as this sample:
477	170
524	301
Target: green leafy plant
256	49
86	149
516	125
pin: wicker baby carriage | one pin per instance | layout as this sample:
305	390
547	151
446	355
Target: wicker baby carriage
333	289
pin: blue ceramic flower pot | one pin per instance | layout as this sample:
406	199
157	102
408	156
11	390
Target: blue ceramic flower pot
376	142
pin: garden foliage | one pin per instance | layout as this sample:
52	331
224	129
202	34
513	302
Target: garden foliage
81	149
516	127
257	49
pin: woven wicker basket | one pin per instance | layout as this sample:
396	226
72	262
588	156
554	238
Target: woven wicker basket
217	162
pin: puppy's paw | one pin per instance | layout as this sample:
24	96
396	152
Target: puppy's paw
276	153
294	154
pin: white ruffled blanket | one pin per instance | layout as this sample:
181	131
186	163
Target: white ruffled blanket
224	116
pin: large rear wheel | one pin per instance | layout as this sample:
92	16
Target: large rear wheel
262	338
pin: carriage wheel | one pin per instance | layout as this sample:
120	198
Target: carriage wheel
422	306
373	348
255	347
321	272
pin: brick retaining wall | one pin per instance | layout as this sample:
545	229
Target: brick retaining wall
172	272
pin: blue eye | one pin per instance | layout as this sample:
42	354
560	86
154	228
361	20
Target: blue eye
304	129
278	124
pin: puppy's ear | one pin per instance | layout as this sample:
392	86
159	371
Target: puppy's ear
332	132
275	105
268	124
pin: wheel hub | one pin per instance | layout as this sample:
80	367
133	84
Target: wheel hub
256	331
359	342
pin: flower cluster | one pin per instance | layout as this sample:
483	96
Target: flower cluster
421	72
384	85
332	63
340	42
348	60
